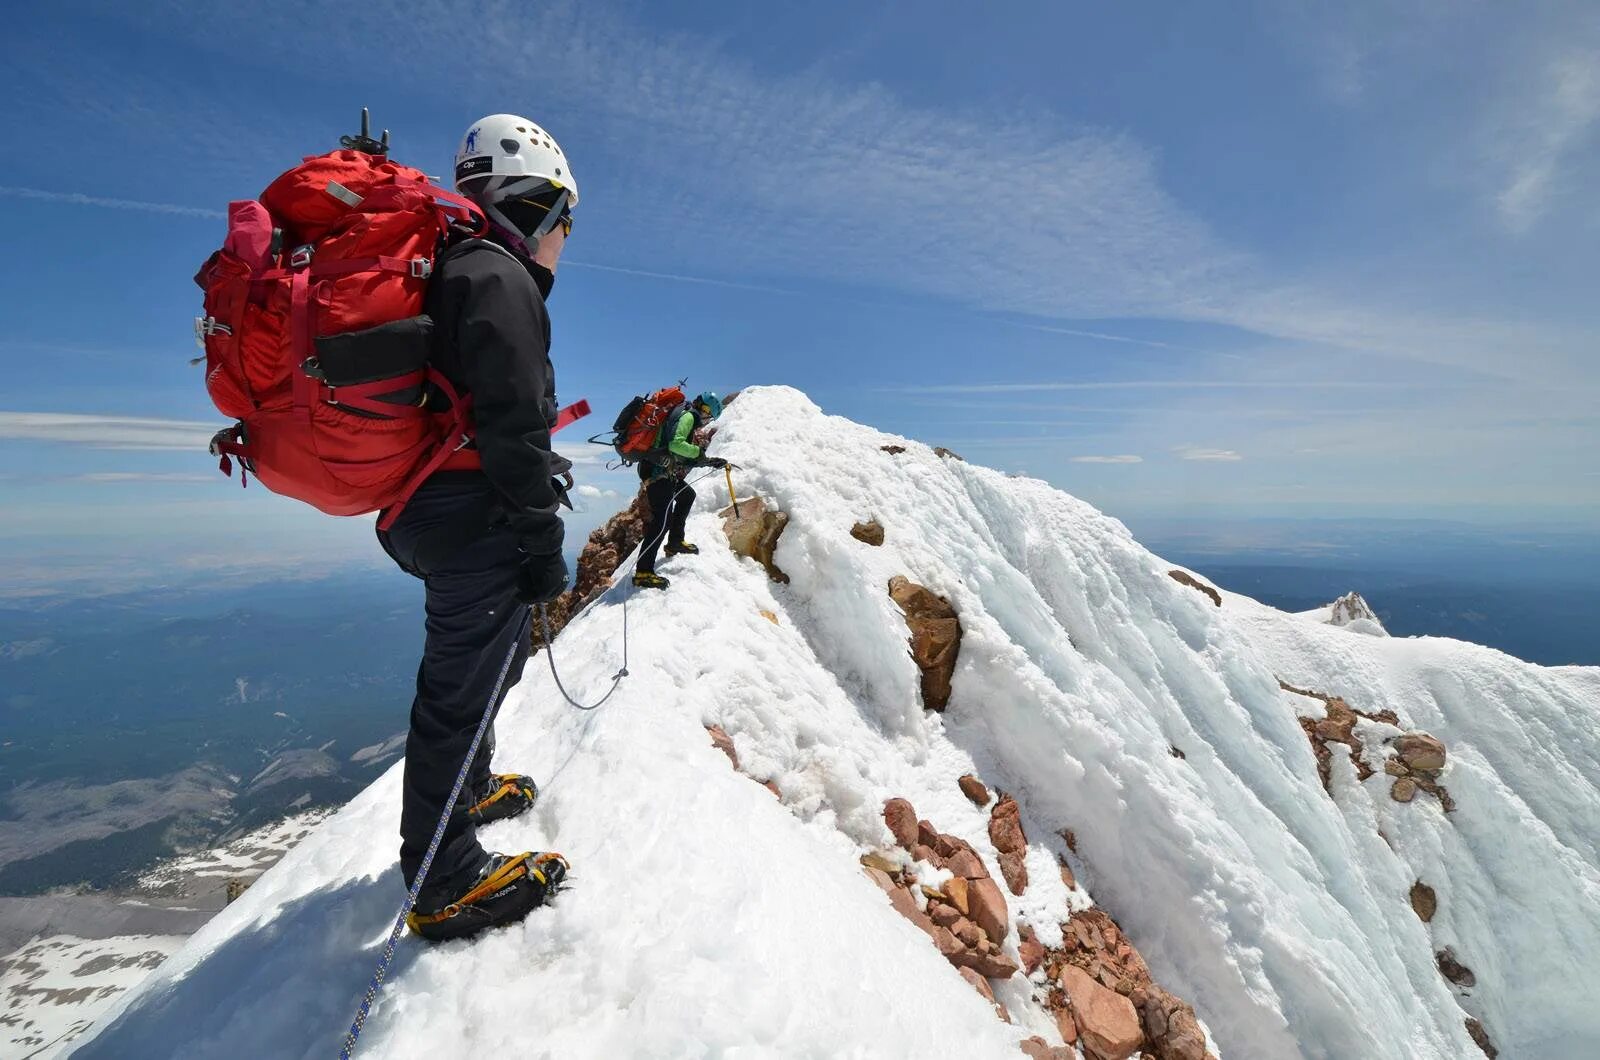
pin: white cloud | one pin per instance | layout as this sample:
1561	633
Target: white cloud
75	199
1140	384
1190	452
106	432
1122	459
1534	148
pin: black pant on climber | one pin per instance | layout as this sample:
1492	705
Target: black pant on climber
669	497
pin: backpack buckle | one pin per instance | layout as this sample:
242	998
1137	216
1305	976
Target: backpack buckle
421	268
300	257
205	327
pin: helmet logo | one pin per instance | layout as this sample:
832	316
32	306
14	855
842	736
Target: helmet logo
472	140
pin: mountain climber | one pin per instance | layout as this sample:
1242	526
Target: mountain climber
668	495
486	543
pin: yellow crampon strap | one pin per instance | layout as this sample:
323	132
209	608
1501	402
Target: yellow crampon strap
514	869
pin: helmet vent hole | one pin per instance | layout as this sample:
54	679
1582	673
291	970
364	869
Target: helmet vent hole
521	128
509	146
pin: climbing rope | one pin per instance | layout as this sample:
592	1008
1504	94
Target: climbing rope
472	752
616	579
433	846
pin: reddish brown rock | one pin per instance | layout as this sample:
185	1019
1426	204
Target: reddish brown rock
967	863
1454	970
906	906
1067	1025
1069	837
901	818
1035	1048
1005	826
957	890
968	932
868	533
1424	901
949	845
1171	1030
947	454
885	883
1421	752
1015	870
1108	1025
1395	768
1404	790
754	531
928	854
948	945
927	834
1067	877
772	786
1480	1037
945	914
1032	953
935	638
893	450
724	743
1185	578
991	964
988	908
974	790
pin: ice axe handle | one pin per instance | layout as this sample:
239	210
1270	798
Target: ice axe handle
727	470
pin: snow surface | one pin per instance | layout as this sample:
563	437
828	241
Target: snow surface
708	919
52	989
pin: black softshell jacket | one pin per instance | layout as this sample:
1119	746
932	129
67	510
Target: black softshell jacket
492	340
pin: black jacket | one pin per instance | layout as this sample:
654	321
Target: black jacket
491	339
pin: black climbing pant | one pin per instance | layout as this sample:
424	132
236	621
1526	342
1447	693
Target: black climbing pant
448	535
670	500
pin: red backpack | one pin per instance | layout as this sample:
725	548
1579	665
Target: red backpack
314	336
636	433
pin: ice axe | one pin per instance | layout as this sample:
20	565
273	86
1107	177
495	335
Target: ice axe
727	469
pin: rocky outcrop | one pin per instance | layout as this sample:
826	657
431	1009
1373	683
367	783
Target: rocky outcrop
1183	577
1424	902
1338	726
1417	762
935	637
869	532
754	531
1106	1021
1351	610
601	556
1010	843
1454	970
1480	1038
893	450
948	454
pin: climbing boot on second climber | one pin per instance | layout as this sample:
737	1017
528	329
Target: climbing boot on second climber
682	548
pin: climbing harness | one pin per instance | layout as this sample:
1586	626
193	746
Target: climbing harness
433	847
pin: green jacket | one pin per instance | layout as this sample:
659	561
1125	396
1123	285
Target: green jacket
681	451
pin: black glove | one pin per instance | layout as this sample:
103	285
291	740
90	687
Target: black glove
541	578
714	461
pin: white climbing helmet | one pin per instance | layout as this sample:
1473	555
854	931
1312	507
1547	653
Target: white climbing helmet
506	156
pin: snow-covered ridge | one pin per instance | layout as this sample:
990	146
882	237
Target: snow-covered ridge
1112	702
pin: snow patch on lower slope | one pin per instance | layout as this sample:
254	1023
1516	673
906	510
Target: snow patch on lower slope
708	919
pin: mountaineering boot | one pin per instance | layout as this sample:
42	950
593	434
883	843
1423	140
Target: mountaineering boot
507	888
507	795
649	579
682	548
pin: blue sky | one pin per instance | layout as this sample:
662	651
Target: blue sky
1271	258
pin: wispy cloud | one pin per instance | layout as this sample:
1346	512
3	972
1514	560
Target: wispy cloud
74	199
1535	149
1122	459
106	432
1190	452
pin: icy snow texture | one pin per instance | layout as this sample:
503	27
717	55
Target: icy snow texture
708	919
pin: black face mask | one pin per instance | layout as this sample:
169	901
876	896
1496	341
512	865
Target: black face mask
543	278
